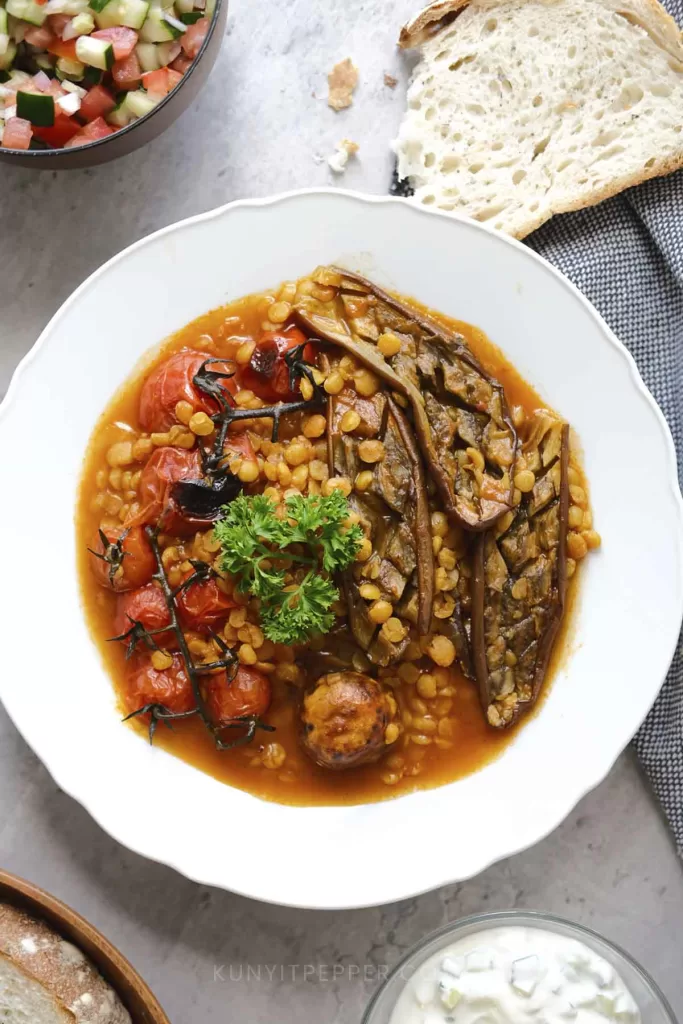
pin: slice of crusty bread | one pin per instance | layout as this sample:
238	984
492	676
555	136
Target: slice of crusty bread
519	109
46	980
24	1000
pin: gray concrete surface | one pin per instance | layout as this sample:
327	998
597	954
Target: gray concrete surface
262	126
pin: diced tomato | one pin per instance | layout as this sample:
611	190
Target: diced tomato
123	40
96	103
61	132
17	133
38	36
58	23
41	3
156	81
97	129
126	72
63	48
173	78
181	64
194	37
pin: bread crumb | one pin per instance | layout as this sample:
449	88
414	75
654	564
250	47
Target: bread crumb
340	158
341	82
390	81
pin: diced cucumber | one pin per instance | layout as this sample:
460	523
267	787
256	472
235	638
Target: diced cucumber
7	58
28	10
80	25
190	17
92	76
17	28
129	13
70	7
18	79
166	52
98	53
175	24
45	61
120	116
4	23
73	70
4	43
147	55
36	107
139	102
184	7
157	29
210	8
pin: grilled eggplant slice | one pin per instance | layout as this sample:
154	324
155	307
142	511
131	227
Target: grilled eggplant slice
520	580
461	418
394	513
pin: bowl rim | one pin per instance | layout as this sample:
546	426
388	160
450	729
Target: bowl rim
73	927
601	764
535	919
38	154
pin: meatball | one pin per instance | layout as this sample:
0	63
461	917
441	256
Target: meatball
344	720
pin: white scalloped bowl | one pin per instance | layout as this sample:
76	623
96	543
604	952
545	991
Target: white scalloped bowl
631	599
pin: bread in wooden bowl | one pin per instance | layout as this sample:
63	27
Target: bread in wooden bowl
521	109
46	980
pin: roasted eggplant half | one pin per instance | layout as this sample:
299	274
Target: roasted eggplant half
519	580
380	451
461	418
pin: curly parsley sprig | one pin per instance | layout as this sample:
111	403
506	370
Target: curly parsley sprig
257	548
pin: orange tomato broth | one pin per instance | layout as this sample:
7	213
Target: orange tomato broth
299	782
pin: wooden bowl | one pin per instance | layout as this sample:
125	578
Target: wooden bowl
126	982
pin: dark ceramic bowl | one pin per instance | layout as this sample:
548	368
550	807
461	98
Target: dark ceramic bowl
139	132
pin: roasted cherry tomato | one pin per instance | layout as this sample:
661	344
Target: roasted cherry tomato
124	565
248	693
171	687
147	606
203	605
238	443
267	374
171	382
164	469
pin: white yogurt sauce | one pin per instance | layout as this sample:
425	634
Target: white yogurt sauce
515	975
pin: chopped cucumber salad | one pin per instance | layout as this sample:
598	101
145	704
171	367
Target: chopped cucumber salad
73	71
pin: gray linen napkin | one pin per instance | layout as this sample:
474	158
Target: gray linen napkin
626	256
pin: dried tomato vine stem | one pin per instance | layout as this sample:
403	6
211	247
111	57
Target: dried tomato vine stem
229	662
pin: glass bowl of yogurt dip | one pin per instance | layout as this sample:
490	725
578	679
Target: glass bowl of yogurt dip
517	968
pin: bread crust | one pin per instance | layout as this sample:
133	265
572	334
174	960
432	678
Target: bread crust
648	14
60	968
